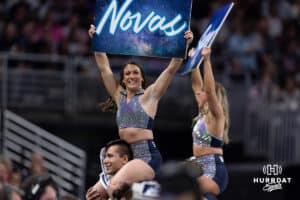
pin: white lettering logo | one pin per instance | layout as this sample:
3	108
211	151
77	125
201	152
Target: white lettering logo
271	181
125	19
270	187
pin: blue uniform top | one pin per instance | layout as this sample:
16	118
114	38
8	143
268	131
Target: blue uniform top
132	114
202	137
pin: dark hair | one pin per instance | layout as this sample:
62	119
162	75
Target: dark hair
110	105
35	186
124	148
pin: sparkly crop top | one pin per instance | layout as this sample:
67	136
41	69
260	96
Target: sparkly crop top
202	137
132	114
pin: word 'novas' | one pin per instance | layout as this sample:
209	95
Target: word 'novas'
125	19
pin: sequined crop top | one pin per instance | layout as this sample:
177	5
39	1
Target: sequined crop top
132	114
202	137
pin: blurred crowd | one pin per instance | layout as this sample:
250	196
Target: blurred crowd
32	183
259	43
43	26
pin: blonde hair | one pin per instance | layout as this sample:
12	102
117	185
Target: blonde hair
222	98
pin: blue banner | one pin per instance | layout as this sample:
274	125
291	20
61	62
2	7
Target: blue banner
142	27
207	38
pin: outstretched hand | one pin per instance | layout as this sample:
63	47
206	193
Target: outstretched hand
92	30
91	33
189	36
93	194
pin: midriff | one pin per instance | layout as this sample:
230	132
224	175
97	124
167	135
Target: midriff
133	135
201	150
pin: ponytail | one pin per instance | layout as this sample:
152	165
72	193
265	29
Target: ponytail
108	106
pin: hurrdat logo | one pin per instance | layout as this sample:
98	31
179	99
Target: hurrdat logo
272	180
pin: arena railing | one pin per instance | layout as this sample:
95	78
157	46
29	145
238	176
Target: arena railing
73	86
284	138
273	133
65	162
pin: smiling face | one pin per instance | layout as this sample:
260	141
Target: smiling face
132	77
113	160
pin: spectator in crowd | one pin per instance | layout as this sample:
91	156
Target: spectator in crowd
40	187
245	45
290	95
3	172
36	166
265	91
9	192
9	168
9	174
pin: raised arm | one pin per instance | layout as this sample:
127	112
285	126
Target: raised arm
107	75
158	88
197	82
209	85
197	86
